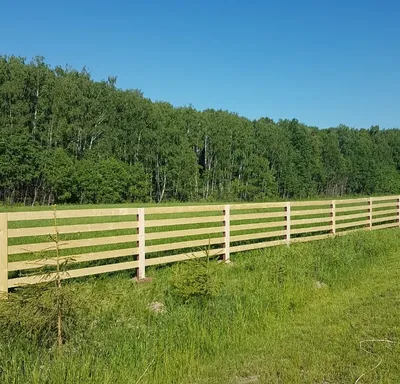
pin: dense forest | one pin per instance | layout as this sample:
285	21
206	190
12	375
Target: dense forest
69	139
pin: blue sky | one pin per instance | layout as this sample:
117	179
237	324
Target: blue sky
322	62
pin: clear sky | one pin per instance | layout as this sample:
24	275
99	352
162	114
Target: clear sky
322	62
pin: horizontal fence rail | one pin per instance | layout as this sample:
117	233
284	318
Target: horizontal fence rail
96	241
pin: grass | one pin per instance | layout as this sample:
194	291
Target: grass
27	208
282	315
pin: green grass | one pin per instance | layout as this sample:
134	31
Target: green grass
269	322
27	208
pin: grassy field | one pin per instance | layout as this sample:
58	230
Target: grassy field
27	208
281	315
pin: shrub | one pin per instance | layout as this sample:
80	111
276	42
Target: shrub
33	313
195	280
43	313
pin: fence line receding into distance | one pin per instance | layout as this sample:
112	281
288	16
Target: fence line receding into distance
97	241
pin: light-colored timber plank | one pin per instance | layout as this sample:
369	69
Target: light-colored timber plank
311	221
84	257
252	216
342	233
70	214
20	281
184	209
382	226
183	244
310	203
385	212
42	247
264	244
182	257
183	221
253	236
384	205
385	218
25	216
39	231
244	227
183	233
355	216
352	224
349	210
311	238
309	230
257	206
385	198
310	212
352	201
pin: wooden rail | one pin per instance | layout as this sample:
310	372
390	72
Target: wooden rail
98	241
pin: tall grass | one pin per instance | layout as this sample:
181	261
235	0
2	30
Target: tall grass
281	315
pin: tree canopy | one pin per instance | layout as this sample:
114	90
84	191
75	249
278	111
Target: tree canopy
67	138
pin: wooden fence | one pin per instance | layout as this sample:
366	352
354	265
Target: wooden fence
97	241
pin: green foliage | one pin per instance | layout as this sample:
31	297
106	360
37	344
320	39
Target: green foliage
195	281
58	173
43	314
139	184
30	315
66	138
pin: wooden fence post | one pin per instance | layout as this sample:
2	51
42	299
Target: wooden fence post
3	254
227	233
370	213
398	210
333	217
141	271
287	226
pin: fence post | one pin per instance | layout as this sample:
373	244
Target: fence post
227	233
3	255
370	213
398	210
141	273
287	226
333	217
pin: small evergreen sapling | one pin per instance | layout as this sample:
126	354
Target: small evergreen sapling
42	313
195	280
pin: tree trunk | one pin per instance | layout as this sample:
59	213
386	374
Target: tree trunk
35	196
163	188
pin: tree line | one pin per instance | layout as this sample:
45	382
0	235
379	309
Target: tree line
69	139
